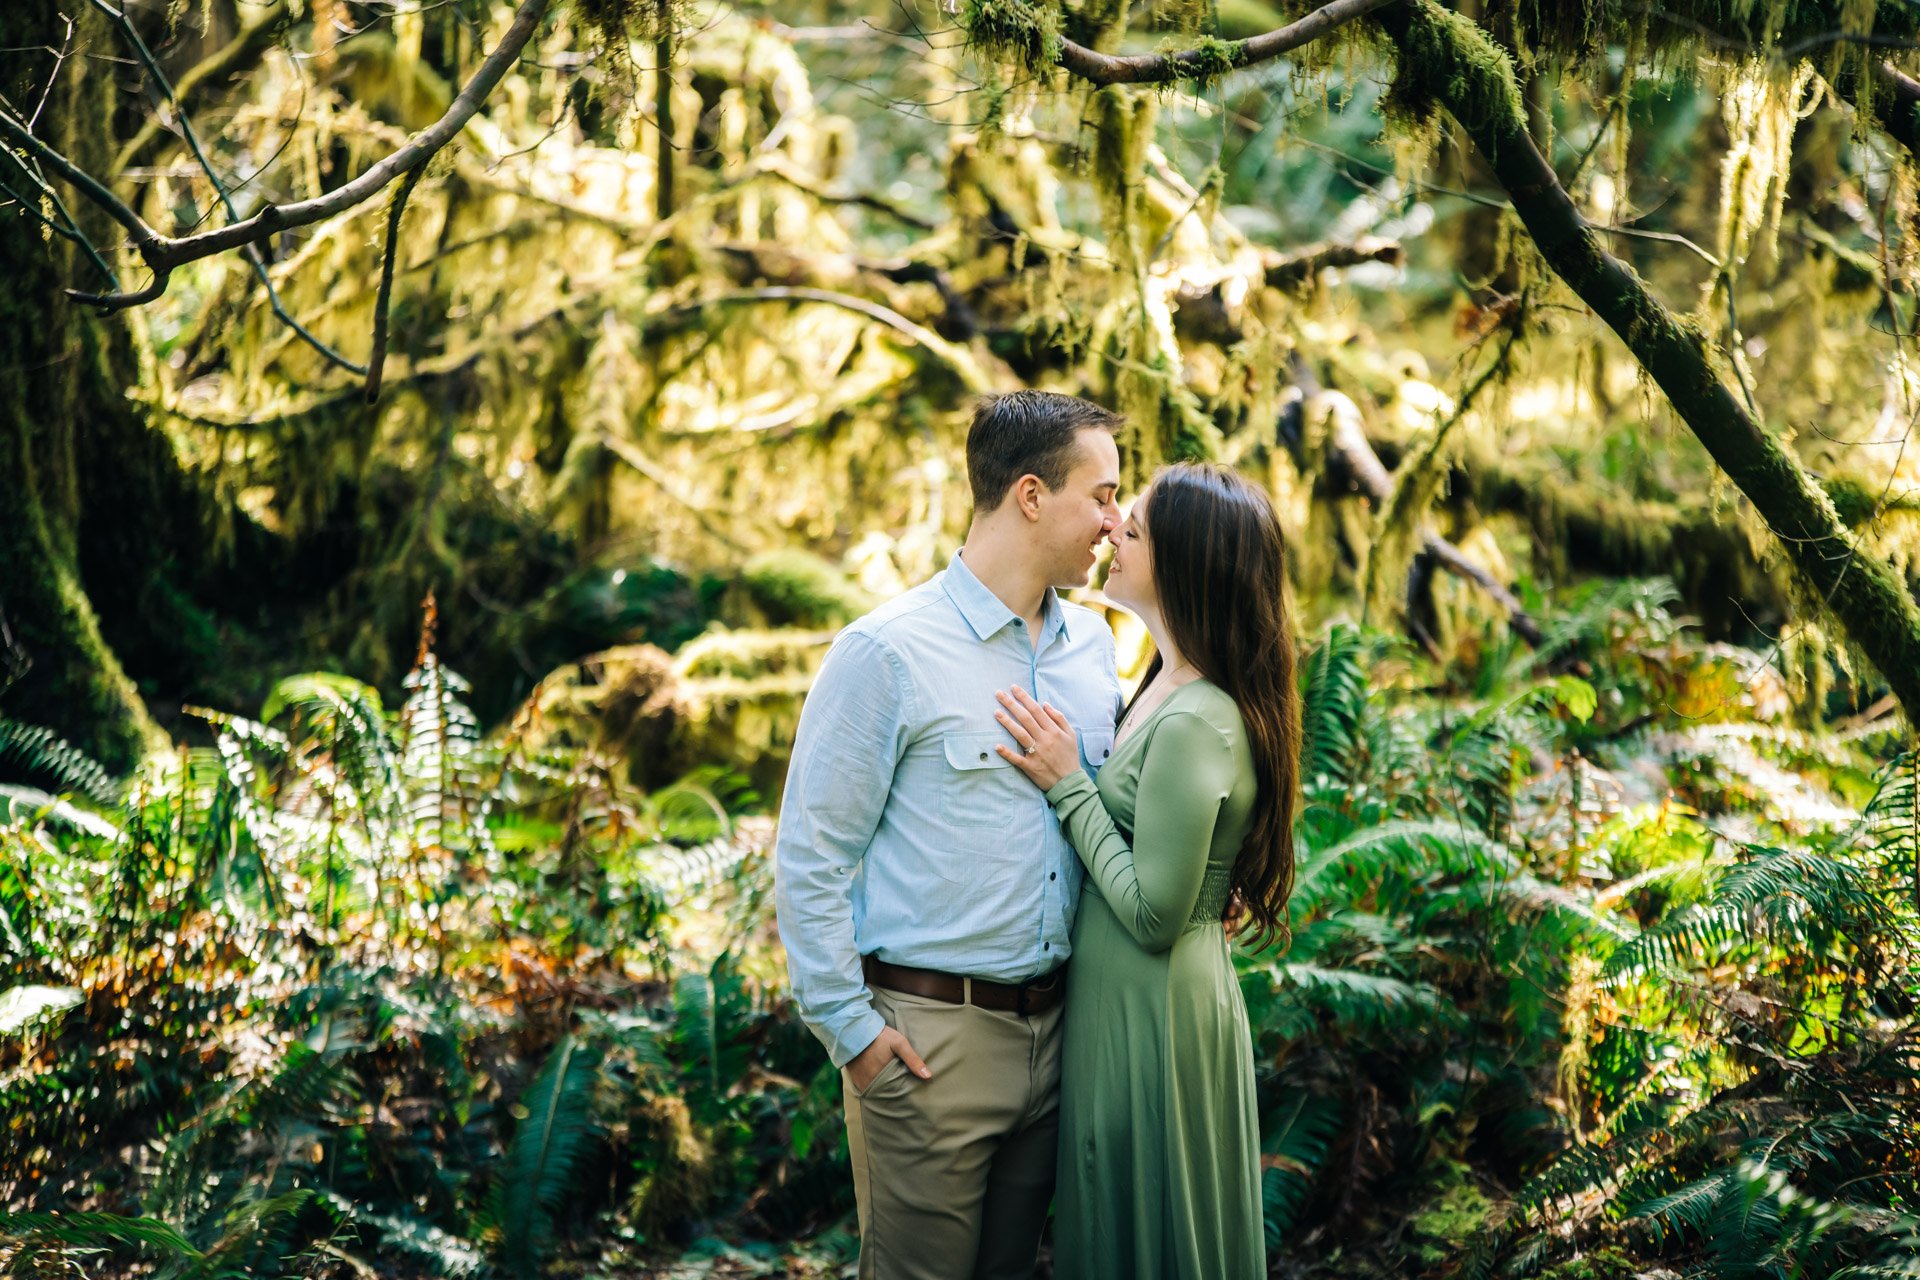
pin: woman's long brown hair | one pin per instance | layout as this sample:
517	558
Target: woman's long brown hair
1219	568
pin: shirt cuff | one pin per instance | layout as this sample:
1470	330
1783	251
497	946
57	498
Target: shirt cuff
844	1044
1072	785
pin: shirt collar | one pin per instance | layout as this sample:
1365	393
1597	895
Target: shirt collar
985	613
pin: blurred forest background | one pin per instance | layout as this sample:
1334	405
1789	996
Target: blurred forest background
438	439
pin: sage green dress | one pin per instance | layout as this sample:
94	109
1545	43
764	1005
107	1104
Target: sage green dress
1159	1175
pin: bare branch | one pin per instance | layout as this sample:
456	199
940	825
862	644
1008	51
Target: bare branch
1201	64
164	253
383	304
237	55
67	227
15	130
1903	121
192	139
774	167
59	61
954	356
1307	263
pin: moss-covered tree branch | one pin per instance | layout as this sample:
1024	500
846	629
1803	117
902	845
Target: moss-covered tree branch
1448	62
1900	117
1213	58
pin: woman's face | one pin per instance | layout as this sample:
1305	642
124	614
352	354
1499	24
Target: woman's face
1130	572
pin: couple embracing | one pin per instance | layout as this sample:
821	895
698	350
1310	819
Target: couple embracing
1005	914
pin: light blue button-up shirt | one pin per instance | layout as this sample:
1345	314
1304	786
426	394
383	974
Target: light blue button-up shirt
903	833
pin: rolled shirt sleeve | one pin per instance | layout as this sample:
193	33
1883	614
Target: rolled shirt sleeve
853	731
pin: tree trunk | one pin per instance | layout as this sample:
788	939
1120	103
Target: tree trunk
1448	61
88	492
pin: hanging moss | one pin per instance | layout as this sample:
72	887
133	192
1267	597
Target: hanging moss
1212	58
1561	29
1021	32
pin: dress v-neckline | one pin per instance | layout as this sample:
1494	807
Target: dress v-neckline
1119	741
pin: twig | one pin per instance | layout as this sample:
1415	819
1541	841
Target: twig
71	230
663	109
165	253
53	78
192	139
382	306
219	69
1303	264
774	168
956	358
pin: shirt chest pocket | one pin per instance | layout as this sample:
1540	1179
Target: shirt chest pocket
1095	747
979	792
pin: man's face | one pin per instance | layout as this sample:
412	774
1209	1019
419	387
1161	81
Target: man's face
1077	517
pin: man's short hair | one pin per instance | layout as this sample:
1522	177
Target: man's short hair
1027	433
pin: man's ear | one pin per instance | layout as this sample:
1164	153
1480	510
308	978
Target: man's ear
1026	493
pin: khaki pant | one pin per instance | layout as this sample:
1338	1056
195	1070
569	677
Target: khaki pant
953	1175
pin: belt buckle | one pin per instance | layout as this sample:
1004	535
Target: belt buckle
1042	986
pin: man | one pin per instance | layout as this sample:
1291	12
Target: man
925	891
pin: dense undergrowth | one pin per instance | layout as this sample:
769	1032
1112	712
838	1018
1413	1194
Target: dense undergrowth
1599	965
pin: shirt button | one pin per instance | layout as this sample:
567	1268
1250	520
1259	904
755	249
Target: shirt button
1046	946
1053	875
983	755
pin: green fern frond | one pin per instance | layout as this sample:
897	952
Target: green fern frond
1333	699
301	1087
1296	1135
446	1253
1890	824
44	751
28	804
673	872
345	718
1693	1208
1587	622
1298	1132
548	1145
438	742
1788	895
1405	850
100	1231
1355	1000
254	1236
1654	1136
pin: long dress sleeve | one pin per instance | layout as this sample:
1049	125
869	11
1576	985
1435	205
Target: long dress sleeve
1186	773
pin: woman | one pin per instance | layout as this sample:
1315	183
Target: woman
1159	1172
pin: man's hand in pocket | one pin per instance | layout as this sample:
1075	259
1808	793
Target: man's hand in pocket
888	1045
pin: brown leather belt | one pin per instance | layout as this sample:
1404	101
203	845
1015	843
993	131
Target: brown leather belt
1023	998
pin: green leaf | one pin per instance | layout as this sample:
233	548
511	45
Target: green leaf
1577	696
